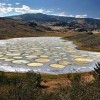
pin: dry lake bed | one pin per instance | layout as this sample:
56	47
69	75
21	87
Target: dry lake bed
51	55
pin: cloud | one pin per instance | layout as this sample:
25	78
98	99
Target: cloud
9	4
81	16
65	15
97	18
6	9
60	14
70	16
17	3
2	4
27	9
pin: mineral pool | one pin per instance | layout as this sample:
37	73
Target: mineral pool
51	55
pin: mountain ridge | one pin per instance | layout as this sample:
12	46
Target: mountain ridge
87	23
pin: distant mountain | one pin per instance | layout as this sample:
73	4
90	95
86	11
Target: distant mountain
87	23
42	17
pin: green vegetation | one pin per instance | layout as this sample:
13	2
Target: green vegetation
28	87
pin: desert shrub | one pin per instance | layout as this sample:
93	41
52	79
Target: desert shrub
89	33
97	75
97	69
36	80
2	78
22	88
75	86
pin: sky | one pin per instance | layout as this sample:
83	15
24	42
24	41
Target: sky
69	8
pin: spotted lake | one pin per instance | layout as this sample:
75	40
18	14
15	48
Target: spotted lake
45	55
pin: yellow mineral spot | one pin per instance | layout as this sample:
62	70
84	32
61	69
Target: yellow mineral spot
8	59
1	55
31	56
13	54
17	57
42	60
70	51
96	57
35	64
20	61
76	56
57	66
63	62
3	58
80	62
83	59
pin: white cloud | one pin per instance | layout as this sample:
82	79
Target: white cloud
70	16
97	18
27	9
9	4
17	3
65	15
60	14
6	9
2	4
81	16
9	9
23	9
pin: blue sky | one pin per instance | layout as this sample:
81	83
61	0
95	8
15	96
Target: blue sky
70	8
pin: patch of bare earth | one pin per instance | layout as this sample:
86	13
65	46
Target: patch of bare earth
54	84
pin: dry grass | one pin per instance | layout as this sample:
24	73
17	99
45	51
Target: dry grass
53	87
85	41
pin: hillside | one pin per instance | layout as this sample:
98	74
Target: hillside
17	28
69	22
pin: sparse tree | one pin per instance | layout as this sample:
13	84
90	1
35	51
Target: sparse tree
97	74
97	69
